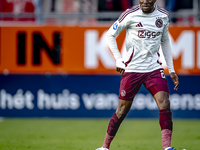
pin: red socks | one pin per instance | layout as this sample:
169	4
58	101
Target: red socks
166	138
165	120
107	141
113	127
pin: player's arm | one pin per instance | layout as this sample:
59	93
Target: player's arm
113	31
167	52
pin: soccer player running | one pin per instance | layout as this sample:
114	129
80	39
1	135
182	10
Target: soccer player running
146	29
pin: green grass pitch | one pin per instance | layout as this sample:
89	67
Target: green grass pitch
88	134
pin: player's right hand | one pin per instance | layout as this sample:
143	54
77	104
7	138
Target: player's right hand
120	65
175	79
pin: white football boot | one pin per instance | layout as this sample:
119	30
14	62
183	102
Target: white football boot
102	148
170	148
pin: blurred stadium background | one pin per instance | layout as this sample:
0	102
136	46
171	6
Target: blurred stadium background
55	62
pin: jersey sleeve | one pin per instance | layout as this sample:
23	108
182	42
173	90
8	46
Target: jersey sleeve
120	24
166	48
113	31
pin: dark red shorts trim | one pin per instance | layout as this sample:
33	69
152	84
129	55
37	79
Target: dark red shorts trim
131	82
160	87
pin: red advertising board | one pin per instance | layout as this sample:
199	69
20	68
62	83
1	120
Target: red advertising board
82	49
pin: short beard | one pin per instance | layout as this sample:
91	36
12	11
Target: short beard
147	11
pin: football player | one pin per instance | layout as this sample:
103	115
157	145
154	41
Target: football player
146	30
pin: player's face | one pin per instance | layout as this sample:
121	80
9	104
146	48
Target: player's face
147	6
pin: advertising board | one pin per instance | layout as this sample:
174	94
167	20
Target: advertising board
87	96
83	50
69	71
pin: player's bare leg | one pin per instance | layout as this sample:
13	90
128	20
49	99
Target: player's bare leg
165	117
115	121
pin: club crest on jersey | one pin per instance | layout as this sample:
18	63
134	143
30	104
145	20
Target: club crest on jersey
115	26
159	23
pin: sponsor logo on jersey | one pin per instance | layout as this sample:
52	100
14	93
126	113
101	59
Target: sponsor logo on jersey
159	23
115	26
147	34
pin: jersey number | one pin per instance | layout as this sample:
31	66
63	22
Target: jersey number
162	73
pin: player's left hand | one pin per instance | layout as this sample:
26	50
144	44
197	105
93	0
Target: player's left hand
175	79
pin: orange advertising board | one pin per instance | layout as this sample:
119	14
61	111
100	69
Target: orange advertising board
82	50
